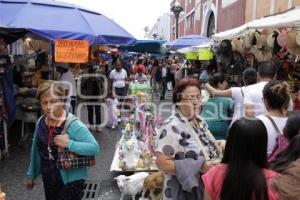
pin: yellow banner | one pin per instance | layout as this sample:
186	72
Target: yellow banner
205	54
192	55
71	51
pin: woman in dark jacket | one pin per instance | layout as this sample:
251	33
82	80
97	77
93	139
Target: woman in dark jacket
92	88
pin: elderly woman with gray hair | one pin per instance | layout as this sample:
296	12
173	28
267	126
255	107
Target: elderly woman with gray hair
59	184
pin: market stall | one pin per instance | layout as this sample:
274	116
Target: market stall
274	38
135	150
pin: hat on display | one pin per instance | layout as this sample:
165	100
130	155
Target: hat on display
270	41
291	43
234	43
248	39
298	37
240	45
281	37
259	40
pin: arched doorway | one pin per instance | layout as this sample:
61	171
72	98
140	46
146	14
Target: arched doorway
211	27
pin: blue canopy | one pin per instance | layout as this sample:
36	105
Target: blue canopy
187	41
147	46
58	20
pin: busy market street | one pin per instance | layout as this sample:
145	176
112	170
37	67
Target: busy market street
149	100
17	163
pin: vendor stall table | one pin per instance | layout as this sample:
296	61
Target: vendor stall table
115	164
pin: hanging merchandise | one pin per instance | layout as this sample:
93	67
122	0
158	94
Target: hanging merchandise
135	150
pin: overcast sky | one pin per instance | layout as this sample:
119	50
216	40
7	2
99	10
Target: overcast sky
133	15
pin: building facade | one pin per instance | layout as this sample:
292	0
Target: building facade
256	9
206	17
161	29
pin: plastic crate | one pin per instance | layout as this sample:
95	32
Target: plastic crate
91	190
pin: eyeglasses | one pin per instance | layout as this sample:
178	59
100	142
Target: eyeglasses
198	97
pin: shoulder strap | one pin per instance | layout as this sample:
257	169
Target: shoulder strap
69	120
242	92
274	124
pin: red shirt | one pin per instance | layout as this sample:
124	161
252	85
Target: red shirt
213	181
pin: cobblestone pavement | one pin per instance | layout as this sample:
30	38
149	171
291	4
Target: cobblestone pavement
13	169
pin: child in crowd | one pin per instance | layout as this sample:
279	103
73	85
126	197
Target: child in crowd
140	76
113	111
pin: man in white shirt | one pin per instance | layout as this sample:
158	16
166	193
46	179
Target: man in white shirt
253	98
236	93
118	78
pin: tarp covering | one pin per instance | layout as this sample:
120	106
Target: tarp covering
58	20
284	20
187	41
194	48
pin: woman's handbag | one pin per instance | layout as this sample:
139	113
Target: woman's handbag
281	141
67	159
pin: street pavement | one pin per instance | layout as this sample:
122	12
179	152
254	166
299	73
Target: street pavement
13	169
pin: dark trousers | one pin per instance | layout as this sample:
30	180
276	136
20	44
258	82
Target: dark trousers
94	109
121	93
55	189
73	104
173	80
164	85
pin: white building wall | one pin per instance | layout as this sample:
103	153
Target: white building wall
161	28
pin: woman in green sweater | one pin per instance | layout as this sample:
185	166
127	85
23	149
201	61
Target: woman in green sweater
217	111
59	184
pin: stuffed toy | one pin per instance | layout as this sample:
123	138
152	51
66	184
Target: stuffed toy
131	154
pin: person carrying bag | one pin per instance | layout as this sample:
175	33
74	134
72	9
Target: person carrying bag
60	183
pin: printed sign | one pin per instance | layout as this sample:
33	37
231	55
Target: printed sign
71	51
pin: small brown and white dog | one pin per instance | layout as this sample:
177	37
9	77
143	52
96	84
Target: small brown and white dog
153	186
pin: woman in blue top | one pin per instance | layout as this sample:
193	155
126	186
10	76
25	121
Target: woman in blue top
217	111
59	184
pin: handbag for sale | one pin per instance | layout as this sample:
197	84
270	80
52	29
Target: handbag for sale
67	159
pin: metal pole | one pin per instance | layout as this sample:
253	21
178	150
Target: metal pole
52	46
176	9
176	25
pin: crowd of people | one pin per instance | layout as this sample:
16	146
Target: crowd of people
242	143
207	154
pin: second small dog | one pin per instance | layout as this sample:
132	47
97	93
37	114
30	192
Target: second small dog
153	186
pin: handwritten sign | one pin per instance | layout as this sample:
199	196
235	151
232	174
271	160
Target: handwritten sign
71	51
